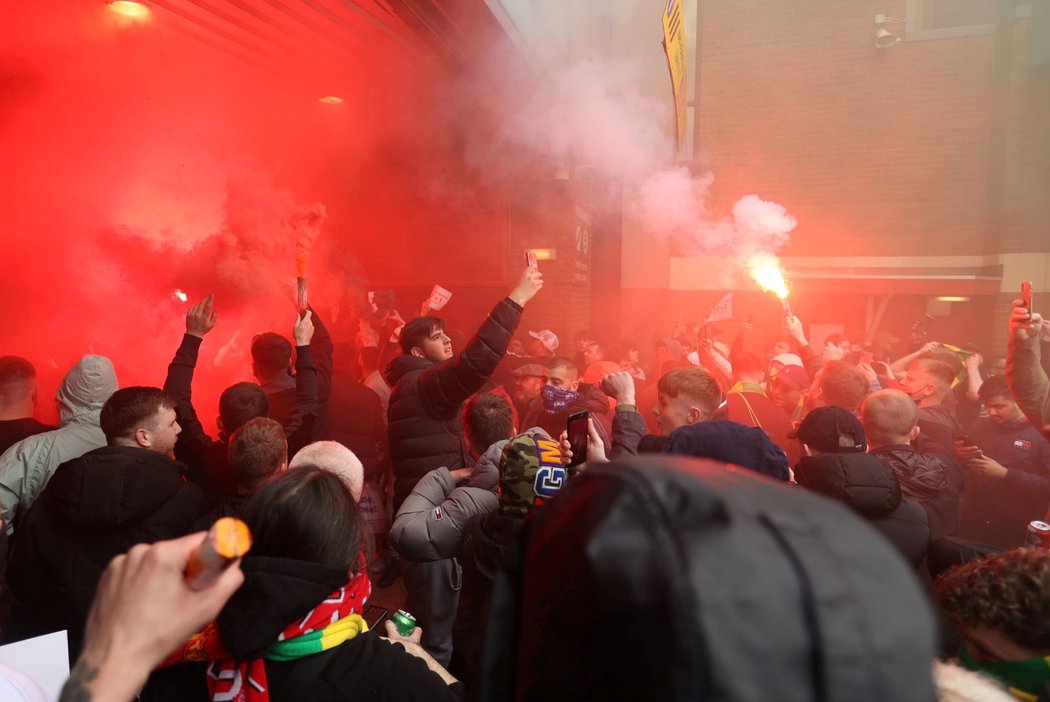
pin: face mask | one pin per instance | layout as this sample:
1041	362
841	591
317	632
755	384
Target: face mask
1028	676
557	400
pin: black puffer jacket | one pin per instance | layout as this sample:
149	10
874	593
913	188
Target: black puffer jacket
934	481
868	485
425	425
94	508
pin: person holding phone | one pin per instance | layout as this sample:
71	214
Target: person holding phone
1007	463
564	394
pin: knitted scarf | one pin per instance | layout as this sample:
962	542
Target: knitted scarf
334	621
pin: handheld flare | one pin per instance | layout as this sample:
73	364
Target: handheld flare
227	540
765	271
301	300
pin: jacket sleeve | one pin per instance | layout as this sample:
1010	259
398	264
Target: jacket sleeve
628	428
429	526
1028	382
14	475
444	387
322	348
193	442
299	429
810	359
1032	484
1044	355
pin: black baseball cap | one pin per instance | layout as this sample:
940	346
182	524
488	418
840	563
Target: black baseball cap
831	430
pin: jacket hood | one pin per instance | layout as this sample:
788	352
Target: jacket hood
486	470
275	593
112	486
864	482
403	365
85	389
921	475
730	442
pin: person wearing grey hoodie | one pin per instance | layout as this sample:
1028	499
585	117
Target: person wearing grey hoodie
429	525
26	467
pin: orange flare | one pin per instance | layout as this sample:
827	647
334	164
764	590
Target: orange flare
227	540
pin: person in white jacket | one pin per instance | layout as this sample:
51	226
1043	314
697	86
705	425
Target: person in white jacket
26	467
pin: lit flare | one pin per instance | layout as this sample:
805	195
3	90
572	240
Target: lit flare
764	270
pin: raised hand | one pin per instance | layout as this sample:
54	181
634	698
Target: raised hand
201	318
303	330
528	285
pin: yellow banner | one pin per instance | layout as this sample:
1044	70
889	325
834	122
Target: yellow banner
674	47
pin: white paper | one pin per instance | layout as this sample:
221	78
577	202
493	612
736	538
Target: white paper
45	659
439	297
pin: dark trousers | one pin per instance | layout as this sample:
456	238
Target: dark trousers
432	589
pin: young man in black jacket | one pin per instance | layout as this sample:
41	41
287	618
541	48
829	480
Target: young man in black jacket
430	385
425	425
934	481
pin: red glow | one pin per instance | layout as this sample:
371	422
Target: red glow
128	8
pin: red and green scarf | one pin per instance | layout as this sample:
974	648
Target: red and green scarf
334	621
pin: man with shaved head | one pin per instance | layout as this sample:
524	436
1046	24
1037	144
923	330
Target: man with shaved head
933	480
18	402
333	457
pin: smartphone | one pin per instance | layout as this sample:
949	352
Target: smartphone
531	260
1026	295
867	356
965	441
577	431
374	615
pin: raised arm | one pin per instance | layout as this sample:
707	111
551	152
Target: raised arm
444	387
301	424
193	441
901	364
1028	381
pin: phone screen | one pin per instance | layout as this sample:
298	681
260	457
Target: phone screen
374	615
577	431
1026	294
531	260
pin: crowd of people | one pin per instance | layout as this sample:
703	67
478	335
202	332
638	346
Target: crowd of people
397	454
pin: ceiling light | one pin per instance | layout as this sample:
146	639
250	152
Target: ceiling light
129	8
332	100
953	298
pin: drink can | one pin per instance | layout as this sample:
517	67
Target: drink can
405	623
1038	535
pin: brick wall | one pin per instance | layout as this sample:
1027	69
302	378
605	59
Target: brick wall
928	148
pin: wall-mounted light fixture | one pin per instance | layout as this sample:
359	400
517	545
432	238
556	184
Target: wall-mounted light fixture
129	8
884	38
